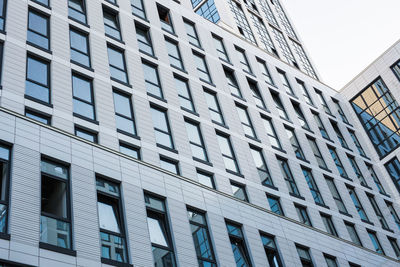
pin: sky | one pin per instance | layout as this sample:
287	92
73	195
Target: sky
343	37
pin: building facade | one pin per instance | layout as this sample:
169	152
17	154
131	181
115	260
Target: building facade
137	133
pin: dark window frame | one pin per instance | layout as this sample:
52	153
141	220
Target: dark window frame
47	36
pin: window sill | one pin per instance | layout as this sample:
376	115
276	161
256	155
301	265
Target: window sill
149	55
82	66
366	186
3	32
249	73
121	82
328	139
128	134
157	97
170	32
115	263
387	229
322	205
84	118
347	178
292	95
235	173
297	196
279	149
303	159
207	82
263	109
330	114
271	186
41	4
38	101
66	251
179	69
190	111
40	48
346	214
238	97
365	157
325	169
308	130
142	18
367	222
168	148
220	124
80	22
198	47
253	138
5	236
226	61
115	39
203	161
384	194
114	4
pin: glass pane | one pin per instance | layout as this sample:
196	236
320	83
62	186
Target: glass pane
122	105
157	235
169	166
205	180
55	232
54	169
201	242
108	219
54	197
129	151
112	247
163	257
125	125
3	218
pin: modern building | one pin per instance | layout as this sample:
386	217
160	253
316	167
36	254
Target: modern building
137	133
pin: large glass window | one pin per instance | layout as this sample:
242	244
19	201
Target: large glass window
303	214
138	8
192	33
196	141
275	204
117	64
317	153
351	229
328	223
304	255
165	19
185	97
162	129
271	250
174	54
247	125
233	84
378	212
202	69
3	8
228	154
5	165
201	238
160	233
124	113
338	162
111	24
38	30
37	79
238	245
375	242
393	168
83	97
214	108
261	166
313	186
288	176
220	47
393	212
271	133
77	10
357	204
55	219
152	80
379	113
295	143
144	40
79	42
336	196
357	171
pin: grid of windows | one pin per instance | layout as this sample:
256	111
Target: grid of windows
285	49
269	15
263	34
209	11
305	62
284	20
241	21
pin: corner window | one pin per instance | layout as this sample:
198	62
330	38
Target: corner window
116	60
162	129
38	30
77	10
79	42
238	245
5	165
83	97
37	79
165	19
124	113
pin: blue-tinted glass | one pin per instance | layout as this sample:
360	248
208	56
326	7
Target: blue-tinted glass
79	48
275	205
38	30
111	25
37	117
239	255
82	88
209	11
138	8
76	10
37	79
2	13
44	2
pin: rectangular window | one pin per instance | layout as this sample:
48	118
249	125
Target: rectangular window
55	219
393	168
243	60
271	250
165	19
129	150
393	213
228	155
38	30
79	42
357	143
239	191
264	37
357	171
138	8
124	113
220	47
261	166
202	69
201	238
152	80
284	48
375	242
185	97
313	186
328	223
38	116
395	246
265	72
287	175
378	212
339	135
317	153
77	10
83	97
160	232
256	94
111	24
233	84
330	261
37	79
162	129
285	82
3	8
351	229
336	196
5	170
86	134
271	133
295	143
357	204
144	40
206	178
340	110
116	61
275	205
338	163
191	33
323	103
304	255
196	141
305	92
303	214
279	106
238	244
1	57
321	126
244	118
174	54
214	108
169	165
241	21
300	115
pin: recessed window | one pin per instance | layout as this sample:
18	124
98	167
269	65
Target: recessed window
284	48
116	60
55	219
357	143
247	125
232	82
357	204
303	215
111	222
79	43
351	229
321	126
271	133
393	168
295	143
239	191
285	82
83	98
3	8
275	205
378	212
192	33
162	129
304	255
138	8
214	108
323	103
37	79
196	141
169	165
317	153
86	134
393	212
124	113
395	246
339	135
152	80
201	238
129	150
111	24
202	69
288	176
375	242
243	60
304	90
261	165
220	47
340	110
38	116
300	116
238	244
38	30
263	34
279	106
206	179
174	54
265	72
165	19
312	185
5	165
357	171
338	163
271	250
330	261
144	41
328	223
77	10
336	196
228	155
160	233
256	95
185	97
